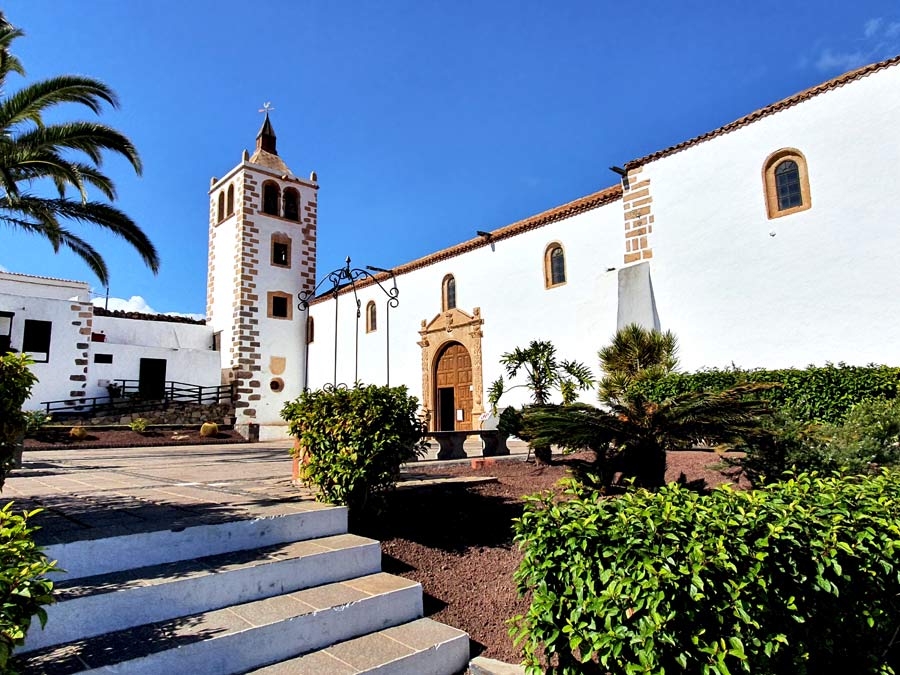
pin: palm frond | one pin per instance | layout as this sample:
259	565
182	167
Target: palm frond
87	137
31	101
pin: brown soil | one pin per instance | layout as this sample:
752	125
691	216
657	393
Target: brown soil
457	541
58	439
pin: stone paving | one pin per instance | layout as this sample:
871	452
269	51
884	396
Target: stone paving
89	494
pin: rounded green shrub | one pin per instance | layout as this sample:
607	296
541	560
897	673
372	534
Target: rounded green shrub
16	381
353	440
800	576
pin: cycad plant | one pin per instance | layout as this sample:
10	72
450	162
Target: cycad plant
66	156
631	434
544	374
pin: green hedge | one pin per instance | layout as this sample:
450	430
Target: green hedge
799	577
820	394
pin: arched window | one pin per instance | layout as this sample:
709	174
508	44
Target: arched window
220	216
371	317
554	266
786	183
310	330
270	198
291	204
229	202
448	293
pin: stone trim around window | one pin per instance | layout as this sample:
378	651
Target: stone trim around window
271	295
280	238
548	265
769	185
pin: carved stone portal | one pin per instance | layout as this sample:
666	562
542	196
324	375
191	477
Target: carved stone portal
454	325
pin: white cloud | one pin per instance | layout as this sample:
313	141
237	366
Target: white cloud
872	26
880	40
137	304
829	60
3	269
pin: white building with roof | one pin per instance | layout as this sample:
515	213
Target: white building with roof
768	242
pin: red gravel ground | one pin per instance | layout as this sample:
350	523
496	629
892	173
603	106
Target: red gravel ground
457	541
58	439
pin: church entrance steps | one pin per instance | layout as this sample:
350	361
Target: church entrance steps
105	603
244	636
420	647
290	522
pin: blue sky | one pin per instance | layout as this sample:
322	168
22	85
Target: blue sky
425	121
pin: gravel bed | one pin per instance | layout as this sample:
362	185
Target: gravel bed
58	439
457	541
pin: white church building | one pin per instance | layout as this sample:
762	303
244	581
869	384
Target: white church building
769	242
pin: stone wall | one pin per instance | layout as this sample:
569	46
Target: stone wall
185	413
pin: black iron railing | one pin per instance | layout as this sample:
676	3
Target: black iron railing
126	398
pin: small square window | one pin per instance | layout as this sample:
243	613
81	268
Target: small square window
103	358
36	340
279	307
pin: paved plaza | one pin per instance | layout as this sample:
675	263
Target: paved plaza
88	494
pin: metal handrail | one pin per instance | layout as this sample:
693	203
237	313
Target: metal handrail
184	393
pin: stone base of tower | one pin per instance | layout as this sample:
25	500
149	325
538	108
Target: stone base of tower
273	431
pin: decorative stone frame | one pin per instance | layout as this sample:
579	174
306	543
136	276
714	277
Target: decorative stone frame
290	306
280	238
454	325
371	317
548	265
769	184
445	296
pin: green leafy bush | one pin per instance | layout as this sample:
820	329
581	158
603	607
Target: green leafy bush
23	587
354	440
815	394
16	381
801	576
138	425
35	421
868	439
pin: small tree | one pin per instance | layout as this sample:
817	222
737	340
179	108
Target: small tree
16	381
544	374
354	440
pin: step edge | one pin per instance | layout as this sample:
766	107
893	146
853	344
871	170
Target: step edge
116	603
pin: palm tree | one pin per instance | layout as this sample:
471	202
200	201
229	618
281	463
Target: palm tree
32	152
636	354
630	433
544	374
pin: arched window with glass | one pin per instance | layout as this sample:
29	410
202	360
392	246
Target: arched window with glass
554	265
229	202
371	317
220	213
786	183
448	293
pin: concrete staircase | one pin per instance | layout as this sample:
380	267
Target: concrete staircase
289	594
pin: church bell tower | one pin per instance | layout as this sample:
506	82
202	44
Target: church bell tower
262	254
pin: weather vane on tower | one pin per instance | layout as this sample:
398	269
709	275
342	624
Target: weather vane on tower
267	107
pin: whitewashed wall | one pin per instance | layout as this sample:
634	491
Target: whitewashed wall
506	280
825	286
186	348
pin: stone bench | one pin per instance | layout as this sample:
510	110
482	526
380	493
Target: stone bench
451	443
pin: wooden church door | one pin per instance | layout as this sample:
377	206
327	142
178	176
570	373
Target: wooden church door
453	373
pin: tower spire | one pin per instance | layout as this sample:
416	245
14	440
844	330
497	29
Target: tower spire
265	139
